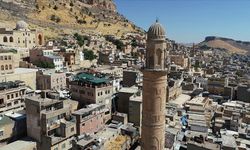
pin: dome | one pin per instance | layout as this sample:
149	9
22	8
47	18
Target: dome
156	31
21	25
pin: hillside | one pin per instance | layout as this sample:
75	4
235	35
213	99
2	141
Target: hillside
56	17
232	46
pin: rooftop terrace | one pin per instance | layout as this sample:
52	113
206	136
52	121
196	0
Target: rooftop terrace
91	78
10	85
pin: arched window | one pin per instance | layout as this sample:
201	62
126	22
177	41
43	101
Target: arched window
1	57
11	39
158	53
10	66
6	67
2	67
5	39
40	39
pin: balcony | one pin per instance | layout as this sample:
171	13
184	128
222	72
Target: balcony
64	130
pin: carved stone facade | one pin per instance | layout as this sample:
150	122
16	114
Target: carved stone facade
154	90
154	101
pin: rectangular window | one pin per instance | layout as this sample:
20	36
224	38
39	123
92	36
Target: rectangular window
1	101
72	129
1	133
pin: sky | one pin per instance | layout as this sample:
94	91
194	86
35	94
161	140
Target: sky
190	21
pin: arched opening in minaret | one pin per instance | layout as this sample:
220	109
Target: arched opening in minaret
158	53
151	62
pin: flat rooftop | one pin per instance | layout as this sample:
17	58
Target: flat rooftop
10	85
136	98
181	99
54	57
107	134
131	90
4	120
232	104
88	109
197	101
50	72
43	101
22	144
228	141
24	70
90	78
16	115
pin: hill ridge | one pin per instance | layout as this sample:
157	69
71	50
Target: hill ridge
229	44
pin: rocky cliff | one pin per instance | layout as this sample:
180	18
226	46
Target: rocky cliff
56	17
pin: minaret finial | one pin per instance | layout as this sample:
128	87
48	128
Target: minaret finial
157	20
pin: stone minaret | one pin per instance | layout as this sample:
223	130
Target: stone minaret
154	90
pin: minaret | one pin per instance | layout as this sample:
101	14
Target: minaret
154	90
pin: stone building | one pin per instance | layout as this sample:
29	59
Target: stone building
131	77
243	93
21	36
123	98
48	55
22	74
180	60
135	110
71	60
105	57
6	128
216	86
154	90
6	63
49	79
49	122
90	89
199	111
90	120
12	96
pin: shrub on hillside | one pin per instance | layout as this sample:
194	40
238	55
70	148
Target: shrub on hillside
55	18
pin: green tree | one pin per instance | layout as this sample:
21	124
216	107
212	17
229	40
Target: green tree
81	39
89	55
55	7
43	64
134	43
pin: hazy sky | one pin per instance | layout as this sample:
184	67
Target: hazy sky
191	20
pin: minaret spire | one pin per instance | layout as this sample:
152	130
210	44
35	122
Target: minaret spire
154	90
